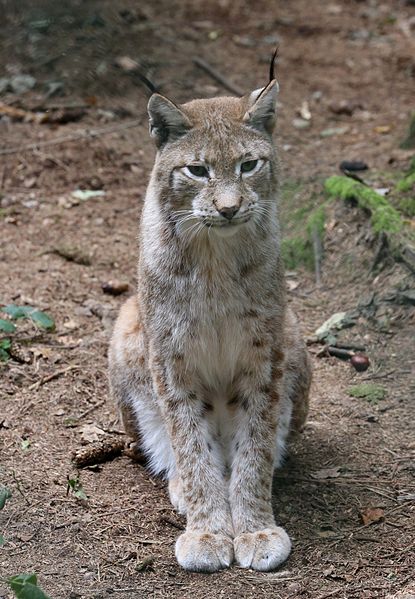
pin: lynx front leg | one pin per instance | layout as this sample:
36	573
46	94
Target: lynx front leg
206	545
258	543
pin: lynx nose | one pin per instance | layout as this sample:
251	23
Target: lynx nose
229	211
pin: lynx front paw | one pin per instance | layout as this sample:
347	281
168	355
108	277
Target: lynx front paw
262	550
204	552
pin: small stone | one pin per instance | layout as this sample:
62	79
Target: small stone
272	39
21	84
331	131
317	95
244	41
30	204
301	124
126	64
4	85
30	182
343	107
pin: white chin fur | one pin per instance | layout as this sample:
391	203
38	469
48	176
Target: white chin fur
225	231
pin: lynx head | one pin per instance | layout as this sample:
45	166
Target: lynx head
216	164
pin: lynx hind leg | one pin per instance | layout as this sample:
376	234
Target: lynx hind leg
299	383
296	386
298	373
124	352
133	391
129	422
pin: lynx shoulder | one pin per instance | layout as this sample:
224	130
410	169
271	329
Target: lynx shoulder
206	362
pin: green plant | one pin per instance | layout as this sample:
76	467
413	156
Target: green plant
39	318
297	248
368	391
5	494
74	485
5	345
24	586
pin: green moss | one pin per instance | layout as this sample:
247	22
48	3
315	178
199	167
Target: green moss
407	183
316	221
368	391
289	189
297	251
384	217
407	206
409	142
297	248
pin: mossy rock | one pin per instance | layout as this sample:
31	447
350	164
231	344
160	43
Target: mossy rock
384	217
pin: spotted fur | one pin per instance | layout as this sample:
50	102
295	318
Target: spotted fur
206	362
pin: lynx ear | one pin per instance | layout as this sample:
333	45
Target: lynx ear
167	121
261	107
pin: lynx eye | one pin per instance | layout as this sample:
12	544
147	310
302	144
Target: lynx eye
248	166
197	170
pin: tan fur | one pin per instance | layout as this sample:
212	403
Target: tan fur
206	362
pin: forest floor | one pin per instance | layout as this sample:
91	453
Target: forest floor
346	494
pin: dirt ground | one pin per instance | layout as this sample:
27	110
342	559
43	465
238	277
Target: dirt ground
354	63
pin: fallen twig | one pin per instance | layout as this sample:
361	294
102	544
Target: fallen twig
354	176
202	64
81	134
354	346
379	376
330	594
343	354
52	376
90	409
19	487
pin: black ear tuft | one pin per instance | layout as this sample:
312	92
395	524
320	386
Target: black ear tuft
167	121
272	64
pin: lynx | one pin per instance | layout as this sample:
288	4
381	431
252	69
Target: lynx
207	364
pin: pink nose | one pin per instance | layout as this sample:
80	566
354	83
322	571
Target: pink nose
229	211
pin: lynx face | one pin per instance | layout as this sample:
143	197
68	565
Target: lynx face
217	162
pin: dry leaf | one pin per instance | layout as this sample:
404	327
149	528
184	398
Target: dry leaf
382	129
42	352
71	325
292	285
325	473
372	515
329	571
91	432
305	111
